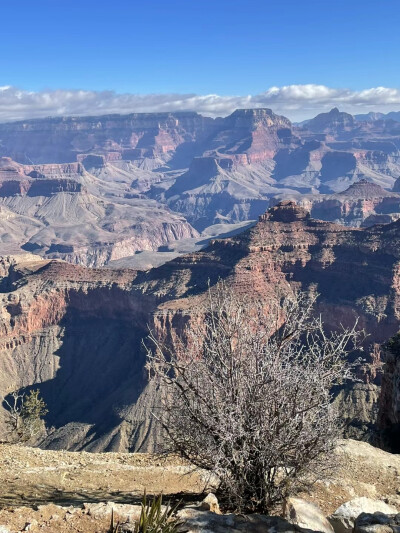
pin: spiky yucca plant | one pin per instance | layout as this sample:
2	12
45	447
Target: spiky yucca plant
153	519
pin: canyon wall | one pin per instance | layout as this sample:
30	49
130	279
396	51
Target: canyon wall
222	170
60	140
389	408
76	333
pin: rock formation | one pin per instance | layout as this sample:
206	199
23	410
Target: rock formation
345	517
134	136
377	523
333	123
210	170
77	333
364	203
373	116
61	211
389	412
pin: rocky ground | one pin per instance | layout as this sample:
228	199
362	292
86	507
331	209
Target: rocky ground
53	491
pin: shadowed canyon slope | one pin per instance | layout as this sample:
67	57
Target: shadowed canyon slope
76	333
118	170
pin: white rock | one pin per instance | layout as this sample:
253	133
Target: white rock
306	516
210	503
344	517
122	512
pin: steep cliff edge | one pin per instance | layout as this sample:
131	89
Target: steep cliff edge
134	136
76	333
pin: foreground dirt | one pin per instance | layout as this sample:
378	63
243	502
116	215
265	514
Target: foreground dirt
30	475
46	491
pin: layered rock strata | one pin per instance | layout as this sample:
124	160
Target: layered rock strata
61	211
77	333
389	412
213	170
364	203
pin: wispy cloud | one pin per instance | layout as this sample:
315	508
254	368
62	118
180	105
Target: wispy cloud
295	101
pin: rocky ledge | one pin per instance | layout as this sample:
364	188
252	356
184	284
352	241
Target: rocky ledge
47	492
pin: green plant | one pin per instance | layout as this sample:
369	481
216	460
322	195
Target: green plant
153	519
25	415
113	528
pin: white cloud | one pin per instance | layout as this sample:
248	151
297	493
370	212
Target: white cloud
295	101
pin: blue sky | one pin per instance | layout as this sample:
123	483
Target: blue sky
201	47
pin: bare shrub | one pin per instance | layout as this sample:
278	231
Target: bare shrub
246	394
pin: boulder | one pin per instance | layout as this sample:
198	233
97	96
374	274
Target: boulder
210	503
122	512
377	523
343	519
306	516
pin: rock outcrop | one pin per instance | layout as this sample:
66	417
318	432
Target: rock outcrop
333	123
345	517
377	523
306	516
389	413
364	203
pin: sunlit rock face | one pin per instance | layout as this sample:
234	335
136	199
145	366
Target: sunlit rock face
364	204
62	211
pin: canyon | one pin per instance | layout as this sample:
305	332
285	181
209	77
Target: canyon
76	333
62	211
89	204
96	191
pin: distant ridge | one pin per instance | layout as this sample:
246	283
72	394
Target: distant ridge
95	190
371	117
